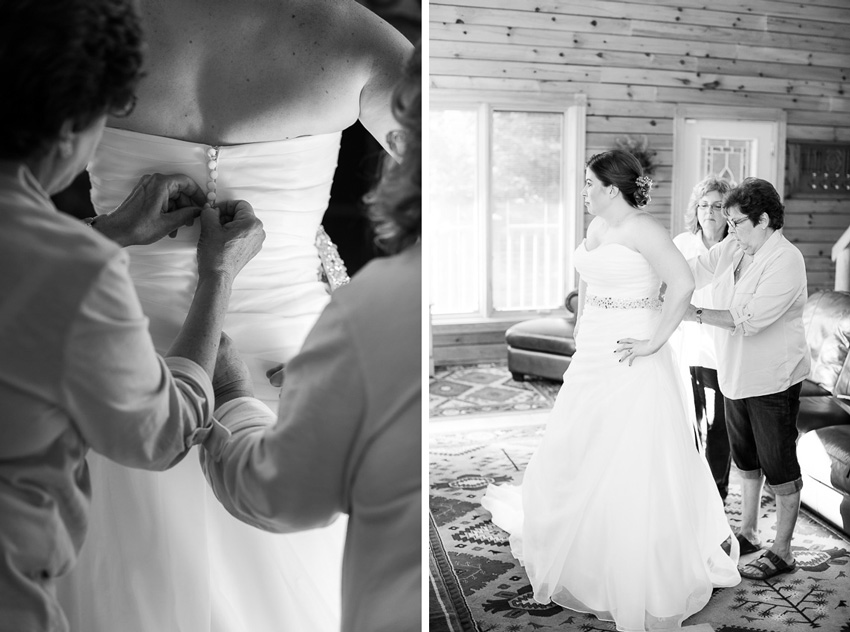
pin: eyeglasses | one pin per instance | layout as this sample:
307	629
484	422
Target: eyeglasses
717	206
734	223
125	110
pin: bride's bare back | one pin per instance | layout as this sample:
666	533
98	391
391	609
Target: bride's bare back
229	72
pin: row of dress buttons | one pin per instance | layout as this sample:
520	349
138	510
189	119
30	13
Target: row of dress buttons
212	165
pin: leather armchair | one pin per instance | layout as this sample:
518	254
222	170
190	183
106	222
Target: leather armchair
543	347
823	448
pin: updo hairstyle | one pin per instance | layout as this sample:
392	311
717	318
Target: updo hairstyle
623	170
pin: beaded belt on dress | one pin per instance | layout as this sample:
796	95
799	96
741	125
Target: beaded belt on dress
610	302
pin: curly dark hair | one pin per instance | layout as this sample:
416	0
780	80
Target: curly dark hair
63	60
622	169
755	196
395	204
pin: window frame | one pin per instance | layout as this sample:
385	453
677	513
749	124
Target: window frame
573	108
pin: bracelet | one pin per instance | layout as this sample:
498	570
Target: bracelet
698	313
89	221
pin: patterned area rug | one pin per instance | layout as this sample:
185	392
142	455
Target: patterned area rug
497	592
447	607
485	389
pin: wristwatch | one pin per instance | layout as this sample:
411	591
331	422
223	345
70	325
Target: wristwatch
698	313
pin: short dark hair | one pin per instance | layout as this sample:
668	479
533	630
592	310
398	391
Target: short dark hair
395	204
63	60
755	196
622	169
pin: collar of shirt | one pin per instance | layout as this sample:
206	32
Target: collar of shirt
771	244
20	178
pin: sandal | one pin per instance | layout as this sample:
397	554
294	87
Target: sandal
747	547
761	569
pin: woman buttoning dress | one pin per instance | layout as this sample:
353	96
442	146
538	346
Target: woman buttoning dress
706	227
617	514
249	100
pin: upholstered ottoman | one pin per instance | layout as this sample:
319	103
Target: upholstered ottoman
542	347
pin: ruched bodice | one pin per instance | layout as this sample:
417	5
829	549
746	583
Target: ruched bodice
622	296
192	566
277	296
616	271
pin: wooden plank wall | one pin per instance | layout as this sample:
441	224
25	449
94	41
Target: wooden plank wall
636	61
469	343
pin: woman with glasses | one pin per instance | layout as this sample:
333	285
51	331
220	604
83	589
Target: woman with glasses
249	99
758	287
706	227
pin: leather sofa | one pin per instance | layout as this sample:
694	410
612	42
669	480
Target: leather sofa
824	420
543	347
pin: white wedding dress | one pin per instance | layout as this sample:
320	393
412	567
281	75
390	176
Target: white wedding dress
161	554
618	514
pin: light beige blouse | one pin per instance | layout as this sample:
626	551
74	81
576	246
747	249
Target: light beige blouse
77	370
347	440
767	351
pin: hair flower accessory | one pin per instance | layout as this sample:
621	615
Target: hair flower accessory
644	183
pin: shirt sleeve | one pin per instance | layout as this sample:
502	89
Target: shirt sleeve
130	404
778	287
704	266
294	473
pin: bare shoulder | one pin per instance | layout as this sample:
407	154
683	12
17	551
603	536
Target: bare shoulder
643	224
241	72
646	234
594	230
352	31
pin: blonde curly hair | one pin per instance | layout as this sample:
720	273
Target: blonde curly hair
702	188
395	204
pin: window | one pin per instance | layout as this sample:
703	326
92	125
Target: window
503	199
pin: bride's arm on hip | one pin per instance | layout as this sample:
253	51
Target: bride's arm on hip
582	292
387	51
654	243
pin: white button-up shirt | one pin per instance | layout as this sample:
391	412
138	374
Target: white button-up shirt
697	340
767	351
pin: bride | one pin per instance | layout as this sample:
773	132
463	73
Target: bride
248	99
618	514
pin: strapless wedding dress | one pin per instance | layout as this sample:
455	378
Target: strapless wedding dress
161	554
618	514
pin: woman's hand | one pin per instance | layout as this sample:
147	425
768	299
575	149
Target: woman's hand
276	375
690	314
231	235
157	206
629	349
